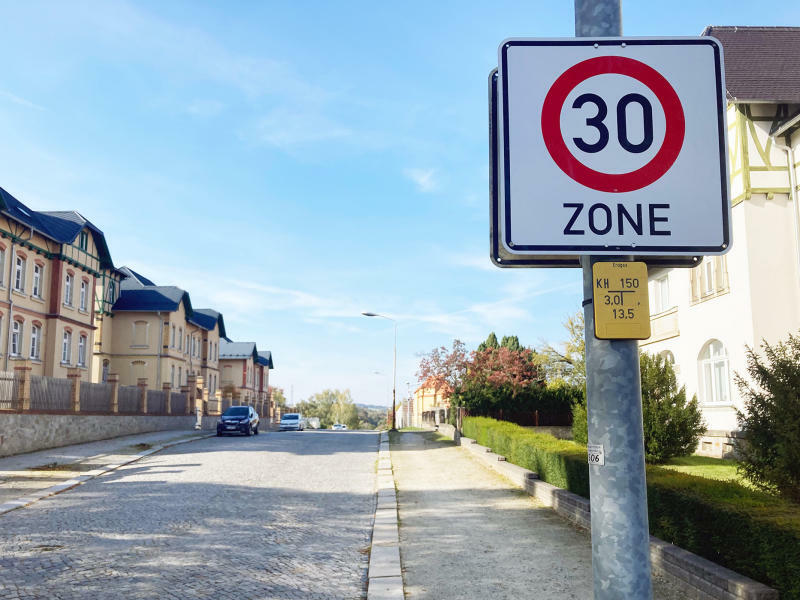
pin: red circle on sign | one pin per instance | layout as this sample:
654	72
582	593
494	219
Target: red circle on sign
613	182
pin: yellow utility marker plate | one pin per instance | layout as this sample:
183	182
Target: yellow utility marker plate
621	305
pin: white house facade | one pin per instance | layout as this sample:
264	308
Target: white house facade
703	318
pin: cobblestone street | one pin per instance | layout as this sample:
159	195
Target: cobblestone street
274	516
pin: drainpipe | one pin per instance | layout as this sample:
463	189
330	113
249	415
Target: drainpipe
160	349
10	297
792	184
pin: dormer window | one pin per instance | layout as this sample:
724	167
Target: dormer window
83	241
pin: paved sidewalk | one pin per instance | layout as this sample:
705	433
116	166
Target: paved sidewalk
26	474
465	532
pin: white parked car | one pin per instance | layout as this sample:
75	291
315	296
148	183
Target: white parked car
339	427
292	422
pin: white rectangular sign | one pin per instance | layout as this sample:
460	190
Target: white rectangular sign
596	454
612	146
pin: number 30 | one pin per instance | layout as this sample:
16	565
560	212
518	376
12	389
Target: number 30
622	123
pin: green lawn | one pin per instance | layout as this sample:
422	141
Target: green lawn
705	466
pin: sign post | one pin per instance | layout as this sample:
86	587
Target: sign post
610	153
618	488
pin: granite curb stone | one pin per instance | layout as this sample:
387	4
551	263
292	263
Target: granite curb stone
385	581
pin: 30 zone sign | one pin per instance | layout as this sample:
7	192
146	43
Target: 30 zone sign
613	146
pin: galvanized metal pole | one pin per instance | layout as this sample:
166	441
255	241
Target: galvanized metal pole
620	533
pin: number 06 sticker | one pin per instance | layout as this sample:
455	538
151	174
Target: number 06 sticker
613	182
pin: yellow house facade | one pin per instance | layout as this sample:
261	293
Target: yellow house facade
51	264
429	396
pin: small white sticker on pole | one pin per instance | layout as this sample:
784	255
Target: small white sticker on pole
596	454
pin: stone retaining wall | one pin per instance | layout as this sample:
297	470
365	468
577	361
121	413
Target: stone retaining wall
21	432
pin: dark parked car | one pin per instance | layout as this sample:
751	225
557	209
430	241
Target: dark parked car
238	419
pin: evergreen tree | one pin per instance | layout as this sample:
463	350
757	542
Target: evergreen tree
511	342
491	342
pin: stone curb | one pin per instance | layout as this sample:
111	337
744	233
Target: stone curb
81	479
385	579
698	577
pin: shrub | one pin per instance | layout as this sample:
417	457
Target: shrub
770	455
751	532
672	426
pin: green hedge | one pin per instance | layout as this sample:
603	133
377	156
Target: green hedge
753	533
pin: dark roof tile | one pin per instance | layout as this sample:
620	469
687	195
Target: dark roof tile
762	64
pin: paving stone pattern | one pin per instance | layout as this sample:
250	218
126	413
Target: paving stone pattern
274	516
468	533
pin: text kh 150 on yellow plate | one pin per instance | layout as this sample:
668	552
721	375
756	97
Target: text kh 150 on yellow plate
621	306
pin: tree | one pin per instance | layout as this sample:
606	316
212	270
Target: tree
511	342
672	426
569	365
331	406
442	367
491	342
769	456
276	394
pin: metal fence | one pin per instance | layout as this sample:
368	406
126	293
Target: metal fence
128	399
156	402
95	397
8	390
177	403
50	393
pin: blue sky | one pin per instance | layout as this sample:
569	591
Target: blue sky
293	164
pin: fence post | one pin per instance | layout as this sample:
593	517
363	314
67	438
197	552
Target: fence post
167	389
202	393
113	379
185	392
191	381
22	375
74	376
141	383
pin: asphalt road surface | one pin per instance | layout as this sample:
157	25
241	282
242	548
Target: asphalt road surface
274	516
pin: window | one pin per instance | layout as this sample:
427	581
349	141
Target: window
172	375
66	347
186	349
659	296
19	275
710	278
82	351
68	290
140	333
110	293
2	267
106	367
172	342
84	293
180	379
180	338
83	241
37	280
714	378
16	338
36	340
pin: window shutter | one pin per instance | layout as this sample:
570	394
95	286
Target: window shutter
720	273
694	276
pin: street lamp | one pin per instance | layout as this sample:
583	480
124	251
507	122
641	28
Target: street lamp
394	364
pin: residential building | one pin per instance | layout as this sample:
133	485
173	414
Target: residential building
431	395
237	362
263	367
703	318
158	335
52	266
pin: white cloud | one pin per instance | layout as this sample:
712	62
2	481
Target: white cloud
286	128
424	179
20	101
